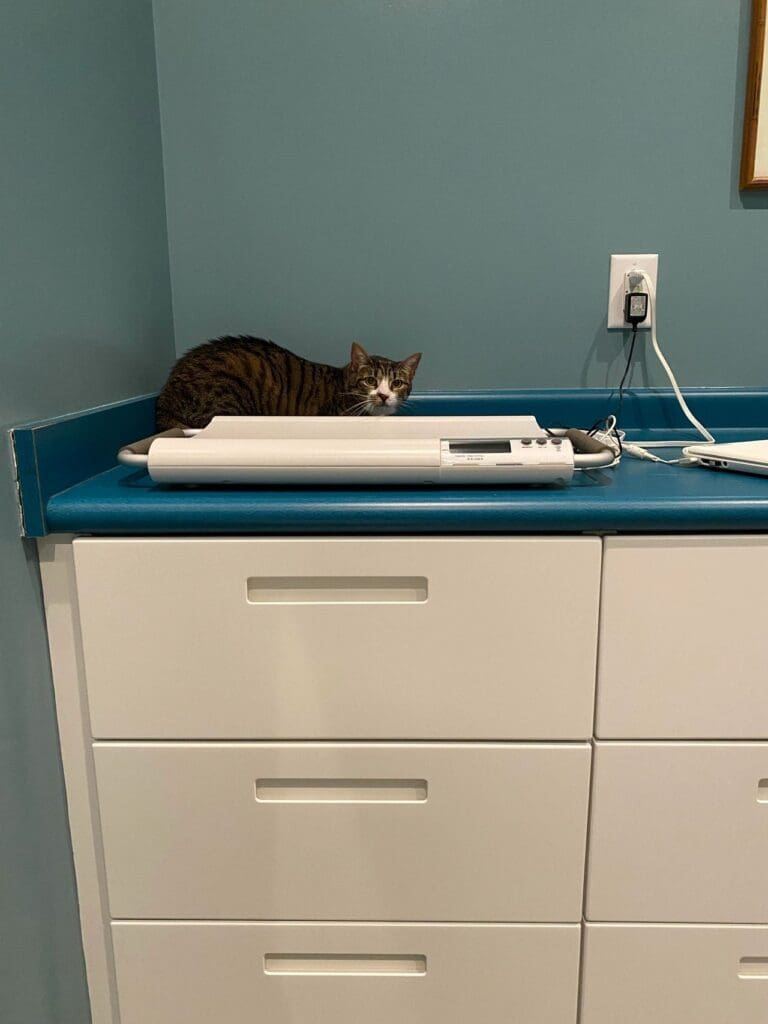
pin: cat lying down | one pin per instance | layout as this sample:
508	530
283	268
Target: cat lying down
244	376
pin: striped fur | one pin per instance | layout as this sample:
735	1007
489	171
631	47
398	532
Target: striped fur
244	376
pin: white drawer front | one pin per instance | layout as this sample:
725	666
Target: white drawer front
340	974
675	974
344	832
683	639
679	832
335	638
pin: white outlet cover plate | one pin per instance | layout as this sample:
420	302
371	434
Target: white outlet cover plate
620	267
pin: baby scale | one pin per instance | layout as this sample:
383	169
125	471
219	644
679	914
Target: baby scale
341	451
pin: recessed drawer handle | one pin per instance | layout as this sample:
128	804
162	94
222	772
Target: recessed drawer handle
762	791
754	967
337	589
341	791
336	964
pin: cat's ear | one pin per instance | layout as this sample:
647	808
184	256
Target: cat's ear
411	363
359	356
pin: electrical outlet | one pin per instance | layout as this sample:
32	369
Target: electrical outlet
617	288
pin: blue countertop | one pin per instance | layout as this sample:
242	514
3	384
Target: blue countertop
634	497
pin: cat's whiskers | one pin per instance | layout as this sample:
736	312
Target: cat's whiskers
358	409
362	399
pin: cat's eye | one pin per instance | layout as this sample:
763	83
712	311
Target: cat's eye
398	383
370	382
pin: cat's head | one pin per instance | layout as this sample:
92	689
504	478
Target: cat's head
377	386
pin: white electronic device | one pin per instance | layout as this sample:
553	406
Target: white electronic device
416	450
737	456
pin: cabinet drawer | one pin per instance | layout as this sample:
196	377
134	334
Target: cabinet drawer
679	832
418	638
341	974
352	832
654	974
683	642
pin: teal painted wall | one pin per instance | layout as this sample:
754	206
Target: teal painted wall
452	175
86	319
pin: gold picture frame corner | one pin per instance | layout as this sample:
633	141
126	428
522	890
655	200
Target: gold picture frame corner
752	112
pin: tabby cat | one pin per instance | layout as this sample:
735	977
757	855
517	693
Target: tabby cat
244	376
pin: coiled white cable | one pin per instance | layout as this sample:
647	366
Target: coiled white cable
640	449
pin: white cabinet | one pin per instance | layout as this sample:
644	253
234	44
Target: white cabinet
338	638
419	832
345	779
345	974
679	832
683	638
674	974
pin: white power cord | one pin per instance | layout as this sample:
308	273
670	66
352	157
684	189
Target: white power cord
640	450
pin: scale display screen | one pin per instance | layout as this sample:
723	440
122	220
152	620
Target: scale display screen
480	447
